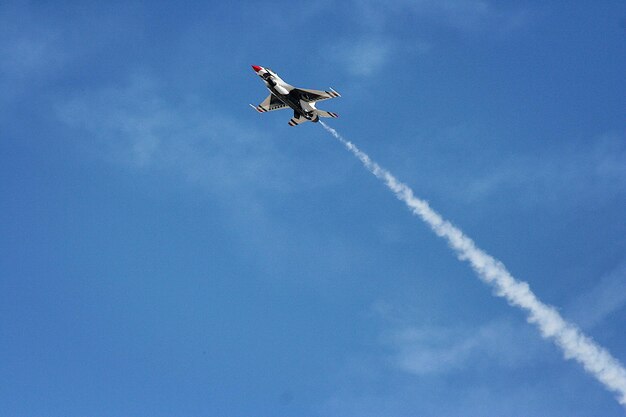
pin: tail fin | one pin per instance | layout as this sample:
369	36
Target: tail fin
322	113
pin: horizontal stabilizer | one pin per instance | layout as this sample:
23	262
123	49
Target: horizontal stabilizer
322	113
296	121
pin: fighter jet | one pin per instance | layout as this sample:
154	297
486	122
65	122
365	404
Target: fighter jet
283	95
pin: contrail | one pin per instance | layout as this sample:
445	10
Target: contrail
575	345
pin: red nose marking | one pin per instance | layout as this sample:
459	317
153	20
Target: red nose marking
256	68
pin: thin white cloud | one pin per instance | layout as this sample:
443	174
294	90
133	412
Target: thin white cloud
136	125
27	45
378	42
368	55
582	173
424	350
363	57
591	172
469	14
608	296
461	15
31	52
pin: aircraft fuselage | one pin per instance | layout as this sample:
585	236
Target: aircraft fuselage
285	96
290	96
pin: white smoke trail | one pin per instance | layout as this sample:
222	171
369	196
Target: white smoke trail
575	345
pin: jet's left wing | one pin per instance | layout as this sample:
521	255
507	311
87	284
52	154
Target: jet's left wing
317	95
271	103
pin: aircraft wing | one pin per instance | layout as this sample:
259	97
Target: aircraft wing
317	95
271	103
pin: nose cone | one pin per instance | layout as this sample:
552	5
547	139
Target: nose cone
256	68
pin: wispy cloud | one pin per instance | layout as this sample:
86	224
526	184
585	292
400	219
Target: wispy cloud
363	57
462	15
424	350
369	55
592	171
474	15
605	298
27	45
380	40
135	124
581	173
31	51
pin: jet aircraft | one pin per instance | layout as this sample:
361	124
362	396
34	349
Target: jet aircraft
283	95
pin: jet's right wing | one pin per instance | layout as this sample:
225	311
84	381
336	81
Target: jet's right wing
271	103
317	95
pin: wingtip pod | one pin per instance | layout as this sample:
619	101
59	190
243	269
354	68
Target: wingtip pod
333	90
255	108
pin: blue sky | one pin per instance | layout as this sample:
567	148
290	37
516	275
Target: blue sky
165	250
